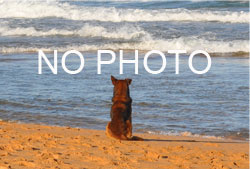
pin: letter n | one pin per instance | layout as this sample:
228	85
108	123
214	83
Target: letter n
41	56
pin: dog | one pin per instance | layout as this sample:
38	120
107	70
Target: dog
120	126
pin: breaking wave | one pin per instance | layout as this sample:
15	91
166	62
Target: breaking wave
125	32
185	134
188	43
42	9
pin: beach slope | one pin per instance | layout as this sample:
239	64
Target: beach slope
38	146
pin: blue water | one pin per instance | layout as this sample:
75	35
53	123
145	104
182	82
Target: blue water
213	104
170	4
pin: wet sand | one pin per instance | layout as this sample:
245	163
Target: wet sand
39	146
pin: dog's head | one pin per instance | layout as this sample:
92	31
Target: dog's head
121	87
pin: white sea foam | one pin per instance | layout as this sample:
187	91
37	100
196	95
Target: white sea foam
188	43
125	32
41	9
186	134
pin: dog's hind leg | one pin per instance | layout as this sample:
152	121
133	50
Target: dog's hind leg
108	132
129	129
129	132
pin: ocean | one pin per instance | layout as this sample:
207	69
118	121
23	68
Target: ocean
215	104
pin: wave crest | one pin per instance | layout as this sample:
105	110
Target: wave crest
125	32
184	43
40	9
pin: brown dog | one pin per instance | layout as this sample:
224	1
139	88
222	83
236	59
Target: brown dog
120	126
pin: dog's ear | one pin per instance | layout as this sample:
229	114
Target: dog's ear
129	81
113	79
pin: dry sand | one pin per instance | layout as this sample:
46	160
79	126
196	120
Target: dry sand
37	146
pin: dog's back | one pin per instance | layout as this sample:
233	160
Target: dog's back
120	126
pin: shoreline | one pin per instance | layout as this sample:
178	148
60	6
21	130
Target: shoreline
155	133
41	146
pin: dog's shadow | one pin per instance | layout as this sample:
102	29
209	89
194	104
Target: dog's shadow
194	141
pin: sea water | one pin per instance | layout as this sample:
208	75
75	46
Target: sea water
212	104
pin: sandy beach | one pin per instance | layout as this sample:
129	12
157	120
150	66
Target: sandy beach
175	73
39	146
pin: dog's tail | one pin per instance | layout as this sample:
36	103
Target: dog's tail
136	138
